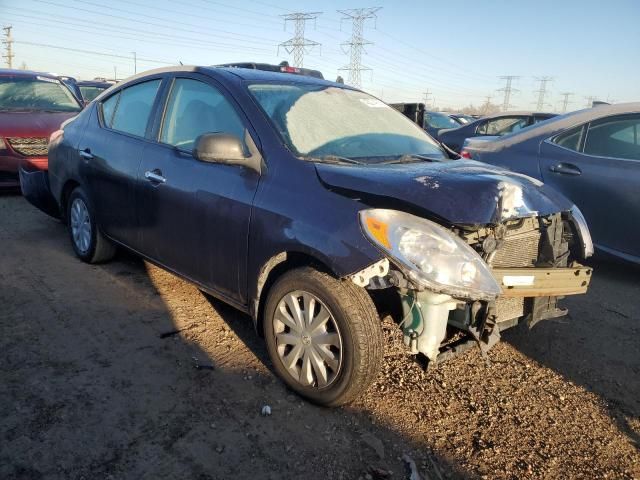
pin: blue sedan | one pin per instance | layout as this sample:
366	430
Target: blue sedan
593	157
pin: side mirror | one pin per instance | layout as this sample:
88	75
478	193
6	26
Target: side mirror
219	148
227	149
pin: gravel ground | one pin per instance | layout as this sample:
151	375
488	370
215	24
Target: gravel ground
123	371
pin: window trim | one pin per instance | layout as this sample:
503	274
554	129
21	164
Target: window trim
583	127
152	113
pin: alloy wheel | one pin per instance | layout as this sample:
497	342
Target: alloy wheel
80	225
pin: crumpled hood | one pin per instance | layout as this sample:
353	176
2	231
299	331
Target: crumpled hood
32	124
461	192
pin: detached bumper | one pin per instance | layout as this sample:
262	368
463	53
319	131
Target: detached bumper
34	184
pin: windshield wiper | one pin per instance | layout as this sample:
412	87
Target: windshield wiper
334	159
411	158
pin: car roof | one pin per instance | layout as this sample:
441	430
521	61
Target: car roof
26	73
236	73
518	112
93	83
568	120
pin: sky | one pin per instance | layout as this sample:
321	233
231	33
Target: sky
455	50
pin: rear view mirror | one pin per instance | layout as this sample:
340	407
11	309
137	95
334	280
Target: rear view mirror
219	148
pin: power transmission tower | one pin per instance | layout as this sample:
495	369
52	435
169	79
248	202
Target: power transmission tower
426	97
358	17
487	104
590	99
135	62
565	100
542	92
8	42
298	45
508	90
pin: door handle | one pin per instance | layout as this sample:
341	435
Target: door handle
155	176
565	168
86	154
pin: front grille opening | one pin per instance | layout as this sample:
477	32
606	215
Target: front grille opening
30	146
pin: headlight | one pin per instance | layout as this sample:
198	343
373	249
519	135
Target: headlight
430	255
583	232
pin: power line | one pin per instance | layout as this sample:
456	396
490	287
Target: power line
358	17
8	42
298	45
508	90
542	91
426	97
565	100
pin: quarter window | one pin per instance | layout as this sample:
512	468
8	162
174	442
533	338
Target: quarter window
129	110
614	137
108	108
196	108
570	139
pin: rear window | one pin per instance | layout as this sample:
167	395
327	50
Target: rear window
570	139
19	94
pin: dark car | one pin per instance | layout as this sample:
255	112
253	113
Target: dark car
299	201
432	122
593	157
32	106
493	125
90	89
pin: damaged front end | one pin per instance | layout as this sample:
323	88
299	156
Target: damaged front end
460	287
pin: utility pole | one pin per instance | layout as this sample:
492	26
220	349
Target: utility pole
358	17
565	100
508	90
542	92
115	73
426	97
8	42
298	45
135	63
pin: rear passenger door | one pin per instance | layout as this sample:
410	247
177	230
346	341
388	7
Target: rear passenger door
597	165
195	215
110	155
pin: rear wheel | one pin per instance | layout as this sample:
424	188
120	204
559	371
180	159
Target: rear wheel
87	241
323	336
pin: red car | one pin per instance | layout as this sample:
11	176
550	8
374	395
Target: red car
32	106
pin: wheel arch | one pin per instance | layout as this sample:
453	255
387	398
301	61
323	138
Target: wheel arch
274	268
68	187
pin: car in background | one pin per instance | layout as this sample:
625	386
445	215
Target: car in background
282	67
593	157
492	125
32	106
90	89
462	118
432	122
299	200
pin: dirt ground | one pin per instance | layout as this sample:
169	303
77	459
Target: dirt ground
123	371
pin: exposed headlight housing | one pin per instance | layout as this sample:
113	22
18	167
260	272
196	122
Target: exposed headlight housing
584	235
430	255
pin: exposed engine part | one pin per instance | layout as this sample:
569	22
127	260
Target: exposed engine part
365	277
426	316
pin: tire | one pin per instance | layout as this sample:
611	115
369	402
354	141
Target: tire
87	241
349	345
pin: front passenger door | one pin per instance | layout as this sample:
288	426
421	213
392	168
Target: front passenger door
195	215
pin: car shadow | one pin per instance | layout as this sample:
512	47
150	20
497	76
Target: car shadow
122	370
601	332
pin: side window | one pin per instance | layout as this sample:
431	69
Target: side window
132	111
482	128
617	137
195	108
504	125
570	139
108	108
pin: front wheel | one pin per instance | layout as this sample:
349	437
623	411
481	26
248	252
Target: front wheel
323	336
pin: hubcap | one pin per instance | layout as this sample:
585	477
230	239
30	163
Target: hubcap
80	225
308	341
